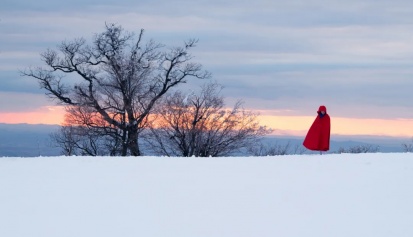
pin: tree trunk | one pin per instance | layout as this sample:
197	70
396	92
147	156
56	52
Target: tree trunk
133	142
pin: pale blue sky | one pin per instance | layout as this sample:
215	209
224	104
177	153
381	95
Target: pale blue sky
356	57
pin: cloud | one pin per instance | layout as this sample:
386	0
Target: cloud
23	102
353	56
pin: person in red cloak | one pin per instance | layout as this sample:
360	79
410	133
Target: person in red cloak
318	136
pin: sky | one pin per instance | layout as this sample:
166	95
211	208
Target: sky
339	195
282	58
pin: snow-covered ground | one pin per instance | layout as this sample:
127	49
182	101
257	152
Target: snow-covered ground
347	195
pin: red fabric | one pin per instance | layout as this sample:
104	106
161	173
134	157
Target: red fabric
318	136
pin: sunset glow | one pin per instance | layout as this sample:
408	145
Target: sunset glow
282	125
298	125
44	115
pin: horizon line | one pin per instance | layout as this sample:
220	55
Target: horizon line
286	133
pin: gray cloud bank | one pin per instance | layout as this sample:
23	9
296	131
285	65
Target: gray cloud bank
356	57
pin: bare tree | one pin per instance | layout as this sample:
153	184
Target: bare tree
86	133
65	139
200	125
118	78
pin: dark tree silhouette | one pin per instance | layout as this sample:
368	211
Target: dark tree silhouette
200	125
117	78
86	133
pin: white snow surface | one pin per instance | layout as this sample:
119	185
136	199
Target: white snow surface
340	195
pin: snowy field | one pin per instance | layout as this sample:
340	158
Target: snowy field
347	195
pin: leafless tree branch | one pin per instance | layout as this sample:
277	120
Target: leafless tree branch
118	78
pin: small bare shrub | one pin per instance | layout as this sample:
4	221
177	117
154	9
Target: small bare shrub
275	149
360	149
408	147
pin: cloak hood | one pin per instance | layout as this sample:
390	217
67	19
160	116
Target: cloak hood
322	108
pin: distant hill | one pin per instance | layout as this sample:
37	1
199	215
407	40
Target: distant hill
27	140
385	144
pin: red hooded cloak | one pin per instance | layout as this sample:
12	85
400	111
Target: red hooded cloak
318	136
